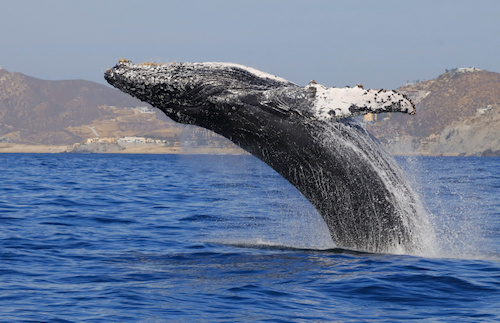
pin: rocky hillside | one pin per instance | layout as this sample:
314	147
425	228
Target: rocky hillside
34	111
478	135
457	114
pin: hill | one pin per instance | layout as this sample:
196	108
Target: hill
458	113
41	112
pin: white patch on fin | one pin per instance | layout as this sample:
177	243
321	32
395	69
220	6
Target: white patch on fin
348	102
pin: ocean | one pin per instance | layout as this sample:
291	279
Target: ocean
222	238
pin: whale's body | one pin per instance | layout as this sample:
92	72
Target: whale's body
305	134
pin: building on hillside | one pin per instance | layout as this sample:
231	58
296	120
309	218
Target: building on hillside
144	110
132	140
482	111
199	132
141	140
101	140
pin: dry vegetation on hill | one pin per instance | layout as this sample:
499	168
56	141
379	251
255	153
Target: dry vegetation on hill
455	97
34	111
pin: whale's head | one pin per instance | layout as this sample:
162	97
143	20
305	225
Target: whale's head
190	92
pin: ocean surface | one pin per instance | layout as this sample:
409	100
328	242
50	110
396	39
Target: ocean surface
206	238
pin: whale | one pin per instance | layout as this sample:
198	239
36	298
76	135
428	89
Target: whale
308	134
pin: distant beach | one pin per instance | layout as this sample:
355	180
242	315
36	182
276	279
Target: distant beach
146	149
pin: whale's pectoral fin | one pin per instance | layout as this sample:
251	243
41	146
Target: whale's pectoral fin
341	103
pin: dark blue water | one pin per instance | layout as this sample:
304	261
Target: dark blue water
152	238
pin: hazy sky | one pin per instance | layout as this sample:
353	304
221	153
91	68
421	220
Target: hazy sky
381	44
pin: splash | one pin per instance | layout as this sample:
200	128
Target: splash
458	194
411	217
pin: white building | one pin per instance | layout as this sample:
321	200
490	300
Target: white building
132	140
144	110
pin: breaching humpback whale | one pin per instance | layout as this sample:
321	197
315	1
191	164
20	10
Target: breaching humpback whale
305	133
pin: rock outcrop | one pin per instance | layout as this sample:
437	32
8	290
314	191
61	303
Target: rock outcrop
479	135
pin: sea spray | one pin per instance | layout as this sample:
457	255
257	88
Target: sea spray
415	222
459	231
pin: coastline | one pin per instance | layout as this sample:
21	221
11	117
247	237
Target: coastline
146	149
158	149
24	148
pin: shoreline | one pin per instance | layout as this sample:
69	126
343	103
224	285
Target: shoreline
147	149
13	148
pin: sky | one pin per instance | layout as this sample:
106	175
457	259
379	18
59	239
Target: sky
380	44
